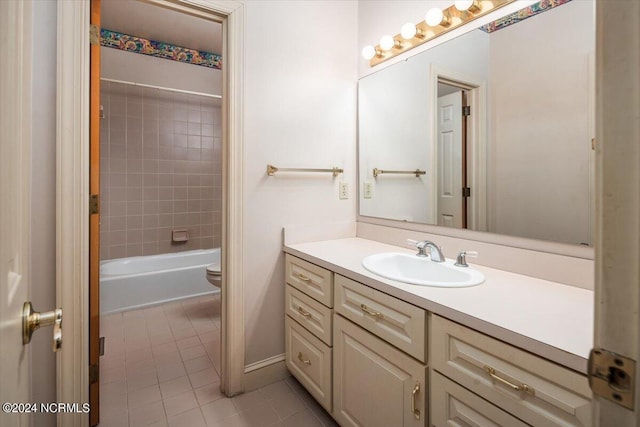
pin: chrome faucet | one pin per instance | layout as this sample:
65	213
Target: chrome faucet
434	250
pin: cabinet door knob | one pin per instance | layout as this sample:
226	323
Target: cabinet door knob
303	360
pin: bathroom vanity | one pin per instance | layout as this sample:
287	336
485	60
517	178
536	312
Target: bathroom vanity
377	352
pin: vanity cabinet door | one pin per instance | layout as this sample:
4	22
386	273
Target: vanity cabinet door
315	281
535	390
375	384
309	360
455	406
395	321
315	317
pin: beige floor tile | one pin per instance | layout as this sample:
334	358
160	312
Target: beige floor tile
175	387
121	420
191	418
260	415
286	405
209	393
204	378
192	352
198	364
248	400
144	396
152	413
180	403
215	412
188	342
305	418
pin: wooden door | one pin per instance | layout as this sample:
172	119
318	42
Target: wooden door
374	383
94	217
15	159
449	189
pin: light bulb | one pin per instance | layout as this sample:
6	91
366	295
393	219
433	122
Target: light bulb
387	42
434	17
368	52
470	5
408	31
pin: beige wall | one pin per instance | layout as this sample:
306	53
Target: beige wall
300	81
160	170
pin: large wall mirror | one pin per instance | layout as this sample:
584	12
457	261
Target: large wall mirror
491	131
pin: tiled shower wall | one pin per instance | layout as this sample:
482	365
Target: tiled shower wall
160	170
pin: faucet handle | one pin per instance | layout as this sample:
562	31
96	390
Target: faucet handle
461	261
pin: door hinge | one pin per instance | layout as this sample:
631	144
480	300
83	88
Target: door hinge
466	110
94	204
101	346
612	376
94	34
466	191
94	374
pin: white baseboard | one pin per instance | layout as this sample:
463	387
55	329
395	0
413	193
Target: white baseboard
265	372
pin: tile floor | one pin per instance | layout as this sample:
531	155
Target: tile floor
161	367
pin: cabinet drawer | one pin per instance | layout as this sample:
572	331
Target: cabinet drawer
312	280
374	383
309	360
452	405
557	396
315	317
393	320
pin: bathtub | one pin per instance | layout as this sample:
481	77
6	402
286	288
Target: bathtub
135	282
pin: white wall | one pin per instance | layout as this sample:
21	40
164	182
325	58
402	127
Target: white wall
134	67
43	203
539	154
300	85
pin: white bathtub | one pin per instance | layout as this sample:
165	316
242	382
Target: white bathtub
129	283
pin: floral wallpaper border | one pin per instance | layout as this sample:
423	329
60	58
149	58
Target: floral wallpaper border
521	15
116	40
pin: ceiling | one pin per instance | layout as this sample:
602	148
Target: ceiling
152	22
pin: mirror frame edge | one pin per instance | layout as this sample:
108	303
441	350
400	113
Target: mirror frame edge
546	246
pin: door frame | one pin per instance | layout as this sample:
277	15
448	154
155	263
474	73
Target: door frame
476	141
72	196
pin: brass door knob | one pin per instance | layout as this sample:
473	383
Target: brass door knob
32	320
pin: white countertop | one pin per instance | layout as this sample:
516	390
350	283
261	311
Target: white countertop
549	319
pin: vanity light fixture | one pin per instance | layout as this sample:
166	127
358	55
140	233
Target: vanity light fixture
472	6
387	43
435	17
369	52
409	31
436	23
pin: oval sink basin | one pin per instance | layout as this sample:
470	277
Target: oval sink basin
417	270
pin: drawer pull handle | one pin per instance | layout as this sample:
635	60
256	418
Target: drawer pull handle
303	360
302	277
370	312
414	393
303	312
516	387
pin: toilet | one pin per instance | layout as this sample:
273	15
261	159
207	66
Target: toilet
214	275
